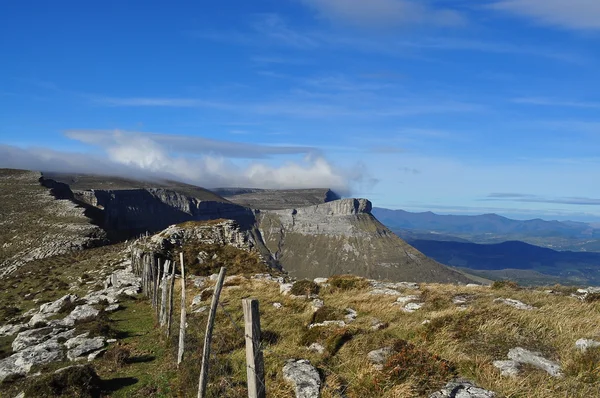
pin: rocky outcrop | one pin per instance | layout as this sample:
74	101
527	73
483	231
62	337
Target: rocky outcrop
304	377
152	209
462	389
270	199
342	237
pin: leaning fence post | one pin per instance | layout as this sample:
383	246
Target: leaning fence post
171	290
183	314
208	334
255	369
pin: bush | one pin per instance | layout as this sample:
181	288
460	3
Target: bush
304	288
327	313
118	356
347	282
505	284
101	325
426	370
75	381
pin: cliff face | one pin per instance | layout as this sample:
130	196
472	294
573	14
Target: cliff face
152	209
342	237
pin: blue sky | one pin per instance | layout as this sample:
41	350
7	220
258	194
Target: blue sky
449	106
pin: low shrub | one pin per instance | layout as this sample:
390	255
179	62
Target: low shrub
75	381
118	356
347	282
592	297
327	313
101	325
505	284
304	288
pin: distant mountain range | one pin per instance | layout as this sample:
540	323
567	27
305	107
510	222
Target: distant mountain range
491	228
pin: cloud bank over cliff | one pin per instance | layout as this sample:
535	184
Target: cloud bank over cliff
196	160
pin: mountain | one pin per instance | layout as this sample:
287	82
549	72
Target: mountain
492	228
271	199
331	237
517	260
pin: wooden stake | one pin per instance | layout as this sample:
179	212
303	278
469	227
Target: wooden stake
182	321
164	288
171	290
255	369
208	335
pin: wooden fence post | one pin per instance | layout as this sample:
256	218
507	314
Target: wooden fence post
171	290
164	288
208	335
255	368
182	320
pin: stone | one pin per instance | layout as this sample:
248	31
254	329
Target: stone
38	319
110	341
462	389
379	357
412	307
96	354
385	291
200	310
376	324
81	345
213	277
535	359
80	313
55	306
340	324
316	304
112	308
31	337
350	315
514	303
426	322
268	278
508	368
285	288
20	364
585	344
304	377
320	281
9	330
278	305
199	281
316	347
407	299
461	299
197	300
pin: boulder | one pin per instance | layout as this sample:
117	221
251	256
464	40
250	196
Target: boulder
316	304
462	389
316	347
285	288
514	303
412	307
80	313
350	315
82	345
38	319
340	324
277	305
304	377
112	308
508	368
407	299
9	330
55	306
31	337
585	344
535	359
20	364
379	357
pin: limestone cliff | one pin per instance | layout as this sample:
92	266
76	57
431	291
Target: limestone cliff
343	237
277	199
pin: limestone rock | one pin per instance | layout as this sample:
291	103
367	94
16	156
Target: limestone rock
536	359
407	299
31	337
21	362
304	377
316	304
350	315
316	347
584	344
376	324
277	305
38	319
412	307
9	330
508	368
320	281
340	324
379	357
514	303
197	300
200	310
112	308
462	389
55	306
80	313
285	288
81	345
385	291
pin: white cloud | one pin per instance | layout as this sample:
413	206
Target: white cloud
570	14
144	155
384	13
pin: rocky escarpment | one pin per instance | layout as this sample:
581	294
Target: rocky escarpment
138	210
271	199
38	222
342	237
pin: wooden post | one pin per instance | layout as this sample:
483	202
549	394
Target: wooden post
208	334
182	320
158	285
171	290
255	368
164	288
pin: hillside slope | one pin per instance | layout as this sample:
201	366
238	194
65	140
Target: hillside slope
35	224
343	237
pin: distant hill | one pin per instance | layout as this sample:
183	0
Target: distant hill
492	228
517	260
